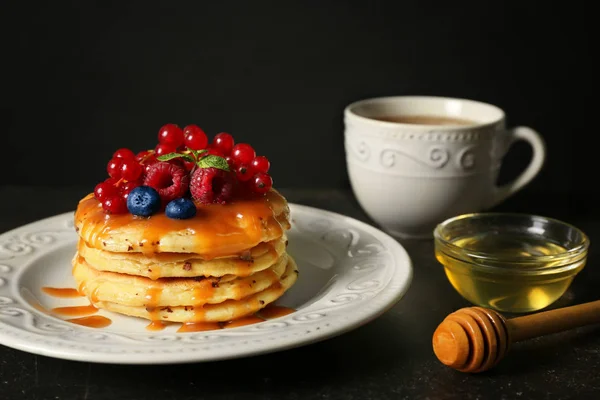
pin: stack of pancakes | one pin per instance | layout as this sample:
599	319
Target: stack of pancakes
227	262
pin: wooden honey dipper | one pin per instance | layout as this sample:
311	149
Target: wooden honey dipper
475	339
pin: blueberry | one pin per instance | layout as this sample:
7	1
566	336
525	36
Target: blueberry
181	209
143	201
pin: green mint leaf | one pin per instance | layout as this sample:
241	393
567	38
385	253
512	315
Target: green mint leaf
171	156
197	153
212	161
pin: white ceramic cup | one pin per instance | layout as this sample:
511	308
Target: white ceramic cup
410	177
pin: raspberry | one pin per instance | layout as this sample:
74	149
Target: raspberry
211	185
170	180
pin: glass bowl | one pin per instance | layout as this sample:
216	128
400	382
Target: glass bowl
510	262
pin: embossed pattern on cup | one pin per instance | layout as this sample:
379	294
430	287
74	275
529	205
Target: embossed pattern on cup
409	177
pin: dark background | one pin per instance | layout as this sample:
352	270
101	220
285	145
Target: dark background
79	80
82	79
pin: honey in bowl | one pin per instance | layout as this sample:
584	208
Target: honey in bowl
510	262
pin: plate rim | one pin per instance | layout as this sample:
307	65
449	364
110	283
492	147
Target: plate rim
282	344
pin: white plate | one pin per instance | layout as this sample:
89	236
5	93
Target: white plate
350	273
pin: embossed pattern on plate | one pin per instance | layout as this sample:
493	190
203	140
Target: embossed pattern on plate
350	273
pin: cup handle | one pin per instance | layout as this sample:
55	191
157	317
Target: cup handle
535	165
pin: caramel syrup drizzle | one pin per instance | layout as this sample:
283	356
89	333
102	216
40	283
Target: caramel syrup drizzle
64	293
153	295
82	312
216	230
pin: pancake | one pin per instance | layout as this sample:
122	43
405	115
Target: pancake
216	230
129	290
168	265
225	311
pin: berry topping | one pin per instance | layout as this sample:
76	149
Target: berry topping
104	190
143	201
131	170
144	155
260	164
162	149
215	152
126	188
181	208
115	205
171	135
262	183
194	137
183	163
170	180
223	142
146	159
243	172
114	168
124	153
242	153
211	185
189	165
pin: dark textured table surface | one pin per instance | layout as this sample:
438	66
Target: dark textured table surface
389	358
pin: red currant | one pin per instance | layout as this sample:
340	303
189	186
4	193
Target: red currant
162	149
243	172
125	154
260	164
215	152
170	134
224	142
114	168
242	153
130	170
194	137
115	205
104	190
111	181
229	161
262	183
144	155
128	187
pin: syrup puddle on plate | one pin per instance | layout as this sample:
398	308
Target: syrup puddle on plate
97	321
75	311
63	293
93	321
83	313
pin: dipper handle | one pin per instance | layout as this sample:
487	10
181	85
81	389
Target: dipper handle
475	339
